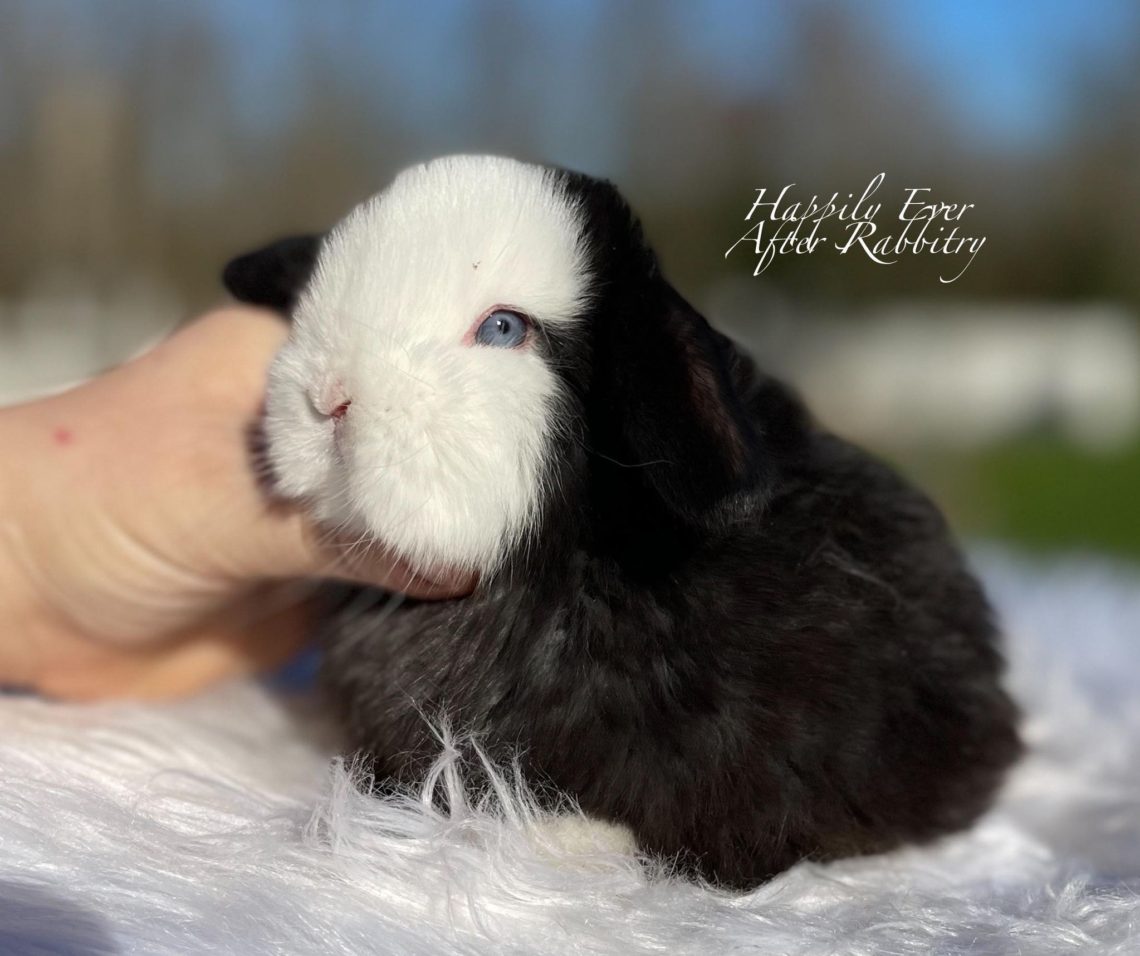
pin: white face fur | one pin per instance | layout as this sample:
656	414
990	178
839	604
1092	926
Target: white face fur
439	453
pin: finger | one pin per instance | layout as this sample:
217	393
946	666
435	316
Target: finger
370	562
380	568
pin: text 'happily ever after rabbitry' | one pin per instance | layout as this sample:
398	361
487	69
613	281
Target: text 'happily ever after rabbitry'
785	226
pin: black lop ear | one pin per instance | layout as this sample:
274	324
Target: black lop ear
676	450
670	414
273	276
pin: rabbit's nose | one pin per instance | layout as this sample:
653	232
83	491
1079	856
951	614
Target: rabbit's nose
331	400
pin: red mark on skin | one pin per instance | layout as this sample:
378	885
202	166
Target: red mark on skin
63	436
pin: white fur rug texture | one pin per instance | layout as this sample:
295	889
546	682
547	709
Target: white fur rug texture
225	825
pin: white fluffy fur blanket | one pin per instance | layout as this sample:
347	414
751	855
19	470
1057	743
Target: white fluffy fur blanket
222	826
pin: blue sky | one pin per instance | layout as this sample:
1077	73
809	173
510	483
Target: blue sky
1007	68
1011	65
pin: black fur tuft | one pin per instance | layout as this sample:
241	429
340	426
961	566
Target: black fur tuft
274	275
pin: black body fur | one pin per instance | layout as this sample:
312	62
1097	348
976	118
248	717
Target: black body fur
744	638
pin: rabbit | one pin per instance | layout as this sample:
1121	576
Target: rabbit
699	614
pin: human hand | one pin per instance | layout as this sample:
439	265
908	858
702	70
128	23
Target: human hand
138	554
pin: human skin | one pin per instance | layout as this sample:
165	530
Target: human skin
139	554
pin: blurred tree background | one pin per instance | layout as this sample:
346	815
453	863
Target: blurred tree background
142	142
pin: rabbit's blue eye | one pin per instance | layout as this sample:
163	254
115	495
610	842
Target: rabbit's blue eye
502	329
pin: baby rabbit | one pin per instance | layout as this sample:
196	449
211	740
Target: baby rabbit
699	613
